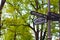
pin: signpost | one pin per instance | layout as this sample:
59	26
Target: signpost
51	16
46	19
39	20
43	18
49	23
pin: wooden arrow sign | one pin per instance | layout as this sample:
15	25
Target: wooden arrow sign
53	16
38	14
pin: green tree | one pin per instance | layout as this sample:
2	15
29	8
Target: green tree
17	21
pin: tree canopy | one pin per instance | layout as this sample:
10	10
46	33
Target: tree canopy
17	22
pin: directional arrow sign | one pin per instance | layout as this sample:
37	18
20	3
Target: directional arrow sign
38	14
40	20
53	16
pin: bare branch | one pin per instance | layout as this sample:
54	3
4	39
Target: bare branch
33	6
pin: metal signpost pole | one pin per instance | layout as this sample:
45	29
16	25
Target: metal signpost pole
49	26
59	29
59	20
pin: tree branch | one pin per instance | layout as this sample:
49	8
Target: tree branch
24	25
23	19
36	1
33	6
2	4
43	37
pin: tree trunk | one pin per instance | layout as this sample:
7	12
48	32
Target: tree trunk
37	33
41	32
15	36
0	23
37	30
1	6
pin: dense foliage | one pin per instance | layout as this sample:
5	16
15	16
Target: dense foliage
18	22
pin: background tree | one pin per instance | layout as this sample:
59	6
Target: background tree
1	6
18	23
